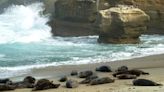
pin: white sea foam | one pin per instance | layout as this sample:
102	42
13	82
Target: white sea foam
23	24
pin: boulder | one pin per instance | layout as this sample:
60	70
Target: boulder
72	84
122	25
154	8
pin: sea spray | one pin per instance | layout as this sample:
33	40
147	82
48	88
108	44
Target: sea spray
24	24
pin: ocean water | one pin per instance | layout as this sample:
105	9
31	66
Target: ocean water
26	43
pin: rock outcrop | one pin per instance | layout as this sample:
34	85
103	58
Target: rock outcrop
79	26
154	8
122	24
74	17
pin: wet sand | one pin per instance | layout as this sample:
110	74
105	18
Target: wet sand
153	64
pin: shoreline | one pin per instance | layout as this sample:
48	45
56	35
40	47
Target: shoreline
153	64
152	61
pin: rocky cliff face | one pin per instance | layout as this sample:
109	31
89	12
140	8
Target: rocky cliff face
154	8
74	17
122	24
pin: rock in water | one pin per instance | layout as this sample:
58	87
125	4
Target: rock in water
145	82
101	81
122	25
44	84
85	74
104	69
72	84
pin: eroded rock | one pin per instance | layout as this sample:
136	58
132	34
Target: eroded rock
122	25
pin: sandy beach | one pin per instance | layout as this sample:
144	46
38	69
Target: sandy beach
153	64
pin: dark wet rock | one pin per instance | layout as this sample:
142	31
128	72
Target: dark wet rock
72	84
122	68
101	81
85	74
145	82
63	79
104	69
44	84
89	79
126	76
133	72
73	17
74	73
6	87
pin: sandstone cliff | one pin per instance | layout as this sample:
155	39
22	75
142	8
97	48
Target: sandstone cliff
74	17
155	9
122	24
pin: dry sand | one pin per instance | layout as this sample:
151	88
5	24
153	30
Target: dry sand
152	64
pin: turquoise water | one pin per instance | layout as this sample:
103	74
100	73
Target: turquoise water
26	43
